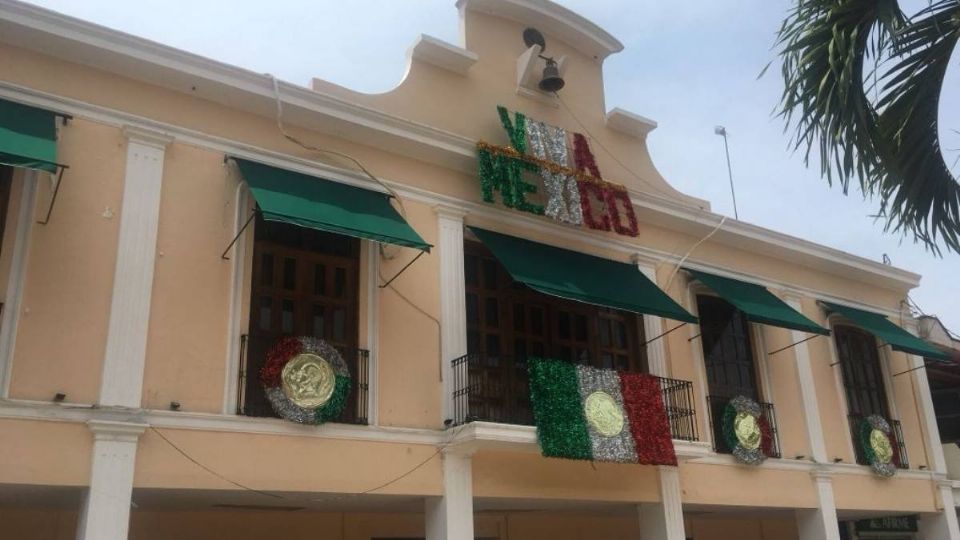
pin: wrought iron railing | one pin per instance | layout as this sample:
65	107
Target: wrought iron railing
718	405
492	388
899	447
251	400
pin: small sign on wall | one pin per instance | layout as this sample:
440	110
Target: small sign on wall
888	524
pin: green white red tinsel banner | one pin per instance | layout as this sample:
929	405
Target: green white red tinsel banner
599	414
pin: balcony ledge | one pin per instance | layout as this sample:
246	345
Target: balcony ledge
489	436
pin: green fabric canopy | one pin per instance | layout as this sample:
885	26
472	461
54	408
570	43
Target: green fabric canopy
758	304
308	201
881	327
577	276
28	137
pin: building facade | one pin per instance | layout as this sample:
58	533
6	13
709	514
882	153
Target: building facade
168	220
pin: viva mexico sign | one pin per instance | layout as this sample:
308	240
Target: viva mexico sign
547	171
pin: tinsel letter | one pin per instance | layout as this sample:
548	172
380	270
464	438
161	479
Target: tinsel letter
599	222
583	157
618	203
516	130
563	197
503	173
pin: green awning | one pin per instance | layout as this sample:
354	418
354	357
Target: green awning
881	327
308	201
577	276
28	137
758	304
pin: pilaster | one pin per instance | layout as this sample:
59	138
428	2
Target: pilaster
808	390
105	514
653	327
453	315
122	380
820	523
663	520
450	516
942	525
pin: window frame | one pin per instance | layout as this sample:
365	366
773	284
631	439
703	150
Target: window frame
25	185
765	394
242	255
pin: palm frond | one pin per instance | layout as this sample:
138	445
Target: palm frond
890	147
916	187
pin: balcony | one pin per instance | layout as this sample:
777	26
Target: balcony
899	448
767	415
251	400
495	389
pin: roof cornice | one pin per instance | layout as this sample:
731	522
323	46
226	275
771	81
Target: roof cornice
552	19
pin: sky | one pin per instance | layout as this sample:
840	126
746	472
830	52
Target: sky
687	65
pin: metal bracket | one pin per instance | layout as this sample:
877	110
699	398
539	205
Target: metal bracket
53	198
237	237
693	338
649	341
781	349
402	270
922	366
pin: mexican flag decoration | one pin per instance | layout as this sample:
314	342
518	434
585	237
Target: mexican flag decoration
594	414
306	380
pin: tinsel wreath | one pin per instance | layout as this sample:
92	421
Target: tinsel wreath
746	432
272	377
878	446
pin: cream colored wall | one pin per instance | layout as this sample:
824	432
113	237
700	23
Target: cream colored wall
44	453
745	486
528	475
284	463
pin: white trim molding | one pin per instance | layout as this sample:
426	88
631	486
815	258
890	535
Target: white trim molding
125	357
439	53
17	278
554	20
453	311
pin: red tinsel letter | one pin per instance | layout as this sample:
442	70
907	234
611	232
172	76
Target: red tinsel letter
618	201
583	157
588	191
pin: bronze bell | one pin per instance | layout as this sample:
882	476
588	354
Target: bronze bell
551	81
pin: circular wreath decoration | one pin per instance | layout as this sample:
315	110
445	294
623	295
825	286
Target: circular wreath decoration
305	380
877	445
746	431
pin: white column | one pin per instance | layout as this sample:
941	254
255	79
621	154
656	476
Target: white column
664	520
453	311
106	507
820	523
17	276
808	390
653	327
122	380
450	517
942	525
